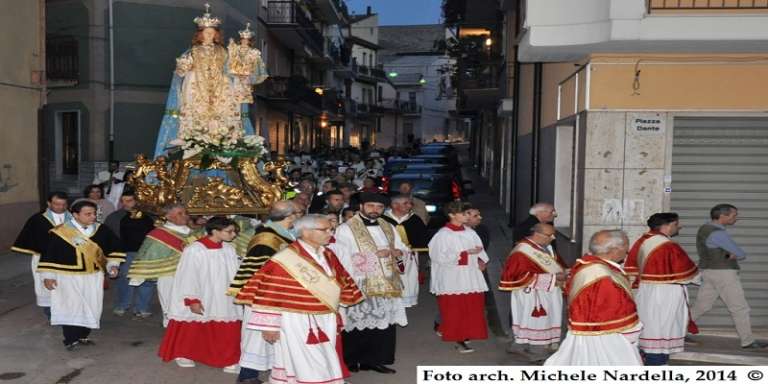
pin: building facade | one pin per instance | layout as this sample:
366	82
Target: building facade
415	60
620	109
112	61
22	95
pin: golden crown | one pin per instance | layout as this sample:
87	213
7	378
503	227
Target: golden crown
207	21
246	33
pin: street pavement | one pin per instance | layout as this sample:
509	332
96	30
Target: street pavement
126	349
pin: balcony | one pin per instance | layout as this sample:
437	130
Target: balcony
333	11
290	23
368	74
566	30
707	6
292	94
62	62
409	108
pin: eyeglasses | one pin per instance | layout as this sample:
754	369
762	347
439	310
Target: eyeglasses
328	229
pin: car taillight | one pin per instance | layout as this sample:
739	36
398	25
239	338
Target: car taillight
455	190
385	184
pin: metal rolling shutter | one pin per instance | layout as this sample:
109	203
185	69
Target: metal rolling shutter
725	160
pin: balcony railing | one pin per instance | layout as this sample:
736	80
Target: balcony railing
62	59
482	77
288	12
410	108
293	88
706	5
376	73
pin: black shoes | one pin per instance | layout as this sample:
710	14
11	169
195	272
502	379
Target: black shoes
72	346
376	368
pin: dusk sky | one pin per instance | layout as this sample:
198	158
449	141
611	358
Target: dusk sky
400	12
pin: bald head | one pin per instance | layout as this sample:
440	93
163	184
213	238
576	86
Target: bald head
543	234
545	212
609	244
282	213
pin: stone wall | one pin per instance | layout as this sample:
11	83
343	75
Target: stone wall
624	171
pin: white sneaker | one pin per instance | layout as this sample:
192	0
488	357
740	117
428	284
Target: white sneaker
234	369
184	363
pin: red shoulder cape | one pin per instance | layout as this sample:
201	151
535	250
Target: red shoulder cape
273	287
519	270
601	306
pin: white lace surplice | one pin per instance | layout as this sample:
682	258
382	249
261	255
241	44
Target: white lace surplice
373	312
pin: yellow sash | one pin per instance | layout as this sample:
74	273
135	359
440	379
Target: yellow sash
649	245
593	272
546	261
325	288
269	239
87	250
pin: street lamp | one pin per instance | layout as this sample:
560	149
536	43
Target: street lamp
488	42
319	91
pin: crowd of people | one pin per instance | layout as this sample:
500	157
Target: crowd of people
316	289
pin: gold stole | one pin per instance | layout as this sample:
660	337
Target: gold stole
323	287
543	260
593	272
387	282
649	245
90	252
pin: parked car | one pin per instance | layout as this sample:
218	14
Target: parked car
418	167
437	149
436	189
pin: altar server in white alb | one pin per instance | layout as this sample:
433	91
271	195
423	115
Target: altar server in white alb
662	269
534	274
33	240
458	261
602	316
204	322
372	252
72	267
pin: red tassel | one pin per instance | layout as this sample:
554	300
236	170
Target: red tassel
422	278
321	336
692	327
536	312
542	311
311	338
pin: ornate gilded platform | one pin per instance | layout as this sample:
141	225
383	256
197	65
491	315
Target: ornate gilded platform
209	187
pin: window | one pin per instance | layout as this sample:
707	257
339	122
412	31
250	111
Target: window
265	53
67	142
412	97
365	57
62	58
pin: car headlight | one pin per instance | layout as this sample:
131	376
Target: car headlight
431	208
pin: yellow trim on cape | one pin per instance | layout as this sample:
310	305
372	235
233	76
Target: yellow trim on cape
323	287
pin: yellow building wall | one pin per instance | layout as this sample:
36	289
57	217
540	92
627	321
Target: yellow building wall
552	75
677	82
19	103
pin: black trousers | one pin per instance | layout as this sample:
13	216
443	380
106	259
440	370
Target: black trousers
370	346
74	333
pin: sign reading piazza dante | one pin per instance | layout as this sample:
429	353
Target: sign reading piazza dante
207	155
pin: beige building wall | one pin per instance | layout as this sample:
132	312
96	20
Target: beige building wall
20	99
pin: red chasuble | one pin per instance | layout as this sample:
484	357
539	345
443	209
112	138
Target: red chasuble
599	298
655	258
273	287
521	268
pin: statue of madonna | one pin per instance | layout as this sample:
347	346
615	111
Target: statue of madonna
208	103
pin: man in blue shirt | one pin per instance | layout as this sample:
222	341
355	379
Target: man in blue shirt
719	258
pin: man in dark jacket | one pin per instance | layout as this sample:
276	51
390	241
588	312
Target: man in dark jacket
539	213
131	225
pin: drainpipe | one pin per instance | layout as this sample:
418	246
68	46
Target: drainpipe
111	150
536	135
